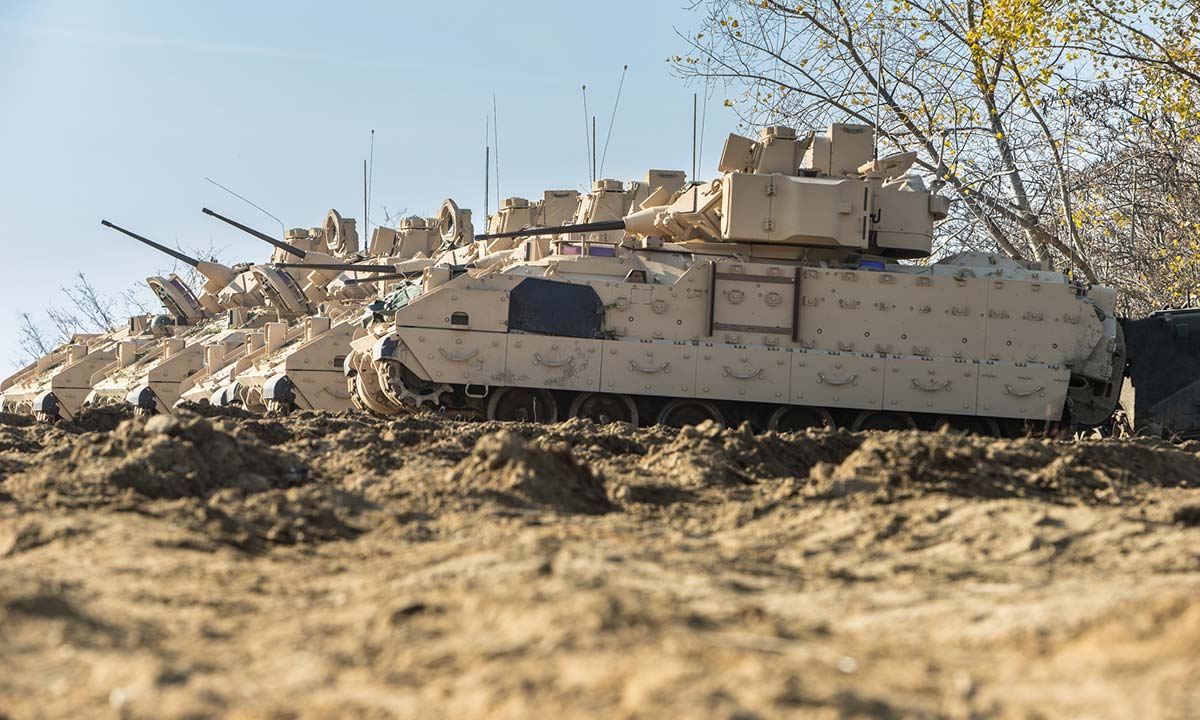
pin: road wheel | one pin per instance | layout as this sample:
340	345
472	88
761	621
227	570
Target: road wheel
515	404
793	418
682	412
603	408
972	425
883	420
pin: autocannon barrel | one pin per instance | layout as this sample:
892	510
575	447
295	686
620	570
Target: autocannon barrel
286	247
345	267
173	253
580	228
381	278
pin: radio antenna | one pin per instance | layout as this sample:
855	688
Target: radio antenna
496	145
703	123
878	85
694	103
593	148
249	202
487	167
587	138
613	118
370	186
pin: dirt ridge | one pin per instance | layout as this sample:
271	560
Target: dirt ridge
349	566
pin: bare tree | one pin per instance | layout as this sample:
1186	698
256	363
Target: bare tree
393	218
32	342
84	309
1015	108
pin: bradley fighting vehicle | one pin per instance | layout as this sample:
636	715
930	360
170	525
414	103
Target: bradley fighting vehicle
246	297
307	373
608	200
58	384
300	366
322	260
773	293
149	362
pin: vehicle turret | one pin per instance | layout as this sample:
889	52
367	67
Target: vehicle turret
338	235
780	197
174	294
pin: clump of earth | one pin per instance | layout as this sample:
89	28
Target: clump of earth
318	565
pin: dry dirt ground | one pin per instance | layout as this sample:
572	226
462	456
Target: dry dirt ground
344	566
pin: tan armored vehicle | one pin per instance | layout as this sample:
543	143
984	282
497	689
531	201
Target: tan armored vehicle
497	248
771	294
235	300
299	366
56	384
150	369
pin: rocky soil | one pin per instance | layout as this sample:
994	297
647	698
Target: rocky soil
345	566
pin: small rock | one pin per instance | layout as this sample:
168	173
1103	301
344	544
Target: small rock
1188	515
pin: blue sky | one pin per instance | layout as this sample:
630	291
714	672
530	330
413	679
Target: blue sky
121	109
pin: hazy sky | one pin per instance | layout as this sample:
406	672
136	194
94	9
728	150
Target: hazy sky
120	109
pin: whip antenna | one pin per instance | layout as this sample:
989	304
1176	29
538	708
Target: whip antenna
496	145
694	137
613	119
370	186
487	167
249	202
878	85
587	141
703	120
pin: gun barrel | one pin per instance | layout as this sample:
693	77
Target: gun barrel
582	227
381	278
286	247
345	267
173	253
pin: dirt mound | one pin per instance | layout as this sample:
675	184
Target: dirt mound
295	516
504	467
97	418
708	455
892	465
18	439
346	566
163	457
208	410
15	420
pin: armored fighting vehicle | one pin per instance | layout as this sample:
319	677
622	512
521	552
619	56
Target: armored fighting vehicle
305	371
299	366
236	301
56	385
774	294
149	363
